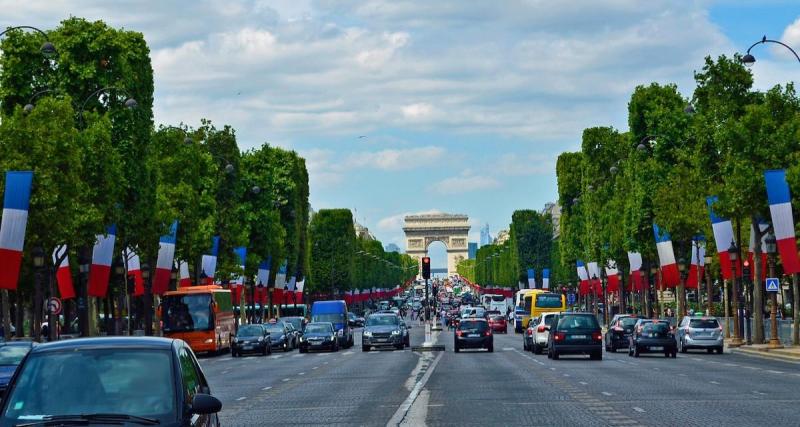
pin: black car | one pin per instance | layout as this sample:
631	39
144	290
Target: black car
653	337
282	337
251	339
297	322
11	354
473	333
406	333
319	336
575	333
354	320
382	329
110	381
619	331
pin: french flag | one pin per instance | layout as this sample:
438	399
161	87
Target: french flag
723	236
102	253
280	278
666	257
63	273
545	278
613	276
698	263
184	280
209	261
594	278
241	257
134	271
782	220
583	274
262	279
299	292
16	201
635	261
751	255
166	257
531	279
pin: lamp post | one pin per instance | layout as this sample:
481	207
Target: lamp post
37	254
652	292
594	294
748	59
733	254
604	284
148	300
129	103
681	297
84	261
47	48
772	247
709	289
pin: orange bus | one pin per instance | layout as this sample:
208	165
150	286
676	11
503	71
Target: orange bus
200	315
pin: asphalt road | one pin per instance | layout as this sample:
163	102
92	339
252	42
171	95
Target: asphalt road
507	387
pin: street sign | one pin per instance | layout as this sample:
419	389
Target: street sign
570	299
773	284
54	306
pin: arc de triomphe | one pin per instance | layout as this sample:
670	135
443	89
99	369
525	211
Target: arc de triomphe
452	230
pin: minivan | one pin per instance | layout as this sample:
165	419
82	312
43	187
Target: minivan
334	312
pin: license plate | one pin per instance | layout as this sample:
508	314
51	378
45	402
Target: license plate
578	337
473	336
657	348
247	347
381	340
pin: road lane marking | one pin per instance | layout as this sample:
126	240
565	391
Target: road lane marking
714	382
275	357
240	399
605	393
759	392
583	383
315	367
566	375
285	379
347	353
507	349
731	364
266	388
683	375
297	355
774	372
638	409
552	369
404	408
225	372
324	363
301	373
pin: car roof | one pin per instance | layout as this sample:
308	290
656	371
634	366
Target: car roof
18	343
320	323
106	343
479	319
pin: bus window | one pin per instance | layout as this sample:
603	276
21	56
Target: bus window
223	300
527	303
183	313
548	301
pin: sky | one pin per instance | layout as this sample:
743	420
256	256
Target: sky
405	107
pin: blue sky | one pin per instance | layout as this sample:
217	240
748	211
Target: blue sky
463	105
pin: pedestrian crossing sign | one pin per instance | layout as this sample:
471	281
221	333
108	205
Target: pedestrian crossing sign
772	284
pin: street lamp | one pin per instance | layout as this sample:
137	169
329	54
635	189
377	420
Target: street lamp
47	48
748	59
772	247
643	145
129	103
733	254
652	292
148	300
709	290
38	264
684	273
187	140
84	261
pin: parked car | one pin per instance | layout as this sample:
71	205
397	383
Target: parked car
575	333
498	323
381	330
527	337
619	332
111	381
334	312
700	332
473	333
319	336
406	333
281	337
11	354
654	337
540	333
253	338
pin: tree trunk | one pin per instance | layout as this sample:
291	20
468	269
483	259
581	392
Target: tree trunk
795	310
37	305
758	289
6	315
726	308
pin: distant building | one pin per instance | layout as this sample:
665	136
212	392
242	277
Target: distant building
554	209
502	237
363	232
472	250
391	247
486	238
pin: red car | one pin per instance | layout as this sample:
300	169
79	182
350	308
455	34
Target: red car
498	323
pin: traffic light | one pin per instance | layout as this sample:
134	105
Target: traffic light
426	268
746	269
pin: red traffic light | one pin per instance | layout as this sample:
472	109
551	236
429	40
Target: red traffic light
426	260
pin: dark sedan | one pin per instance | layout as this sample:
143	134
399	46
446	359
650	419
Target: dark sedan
473	333
319	336
251	339
382	330
282	337
575	333
653	337
11	354
619	332
110	381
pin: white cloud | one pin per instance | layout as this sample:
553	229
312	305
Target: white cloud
791	36
465	183
521	165
416	111
395	159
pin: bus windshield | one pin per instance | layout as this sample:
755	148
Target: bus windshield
527	303
184	313
548	301
498	298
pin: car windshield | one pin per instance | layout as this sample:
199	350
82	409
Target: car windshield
382	321
628	321
318	329
12	354
329	317
250	330
498	318
498	298
296	322
183	313
94	381
577	322
275	329
548	300
704	323
473	325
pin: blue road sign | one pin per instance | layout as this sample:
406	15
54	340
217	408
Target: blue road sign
773	284
571	299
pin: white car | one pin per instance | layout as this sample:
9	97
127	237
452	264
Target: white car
540	333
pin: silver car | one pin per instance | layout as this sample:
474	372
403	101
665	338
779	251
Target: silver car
700	332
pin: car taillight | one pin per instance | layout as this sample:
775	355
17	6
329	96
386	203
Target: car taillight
489	332
597	336
688	331
530	332
458	333
559	336
540	328
618	329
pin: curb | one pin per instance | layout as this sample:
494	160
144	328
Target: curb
764	355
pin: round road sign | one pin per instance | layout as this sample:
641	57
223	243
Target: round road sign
54	306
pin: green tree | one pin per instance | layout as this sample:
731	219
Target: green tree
333	246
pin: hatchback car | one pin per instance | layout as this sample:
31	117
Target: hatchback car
539	331
527	336
298	323
11	354
654	337
110	381
700	332
619	332
282	338
498	323
575	333
319	336
382	330
473	333
251	339
404	327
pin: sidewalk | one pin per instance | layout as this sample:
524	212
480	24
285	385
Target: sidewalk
786	354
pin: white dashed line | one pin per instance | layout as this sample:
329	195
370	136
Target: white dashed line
297	355
275	357
301	373
759	392
697	359
324	363
731	364
508	349
774	372
683	375
583	383
240	399
552	369
285	379
605	393
566	375
316	367
266	388
638	409
347	353
225	372
714	382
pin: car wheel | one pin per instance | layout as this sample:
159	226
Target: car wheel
525	346
537	349
710	351
613	348
491	348
364	348
636	351
555	355
264	351
630	351
682	346
286	347
335	346
667	354
233	353
719	350
674	354
598	355
303	350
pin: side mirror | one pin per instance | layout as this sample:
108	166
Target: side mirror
215	307
203	404
158	311
547	328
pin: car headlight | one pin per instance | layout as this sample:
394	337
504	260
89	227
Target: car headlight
211	341
395	332
367	333
333	337
302	339
340	332
260	339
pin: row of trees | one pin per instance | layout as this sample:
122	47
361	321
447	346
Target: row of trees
82	120
341	261
678	151
530	245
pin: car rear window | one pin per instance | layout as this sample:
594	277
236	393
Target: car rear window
472	325
496	317
656	327
577	322
628	321
704	323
